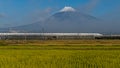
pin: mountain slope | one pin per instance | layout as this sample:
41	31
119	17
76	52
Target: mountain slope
34	27
70	22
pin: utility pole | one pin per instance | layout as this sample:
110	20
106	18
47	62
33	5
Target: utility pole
43	33
25	36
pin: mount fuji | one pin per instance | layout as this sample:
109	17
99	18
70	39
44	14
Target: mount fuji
66	20
70	20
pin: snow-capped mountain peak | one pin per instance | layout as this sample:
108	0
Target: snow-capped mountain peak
67	9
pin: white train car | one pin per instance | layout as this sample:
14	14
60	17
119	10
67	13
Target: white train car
48	36
54	34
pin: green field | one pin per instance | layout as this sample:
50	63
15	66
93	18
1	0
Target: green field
59	56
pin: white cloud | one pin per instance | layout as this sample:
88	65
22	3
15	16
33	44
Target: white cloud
2	15
37	15
90	5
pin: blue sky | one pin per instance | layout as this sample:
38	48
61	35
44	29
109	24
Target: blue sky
21	12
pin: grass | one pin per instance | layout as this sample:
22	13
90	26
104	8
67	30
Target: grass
56	42
63	55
